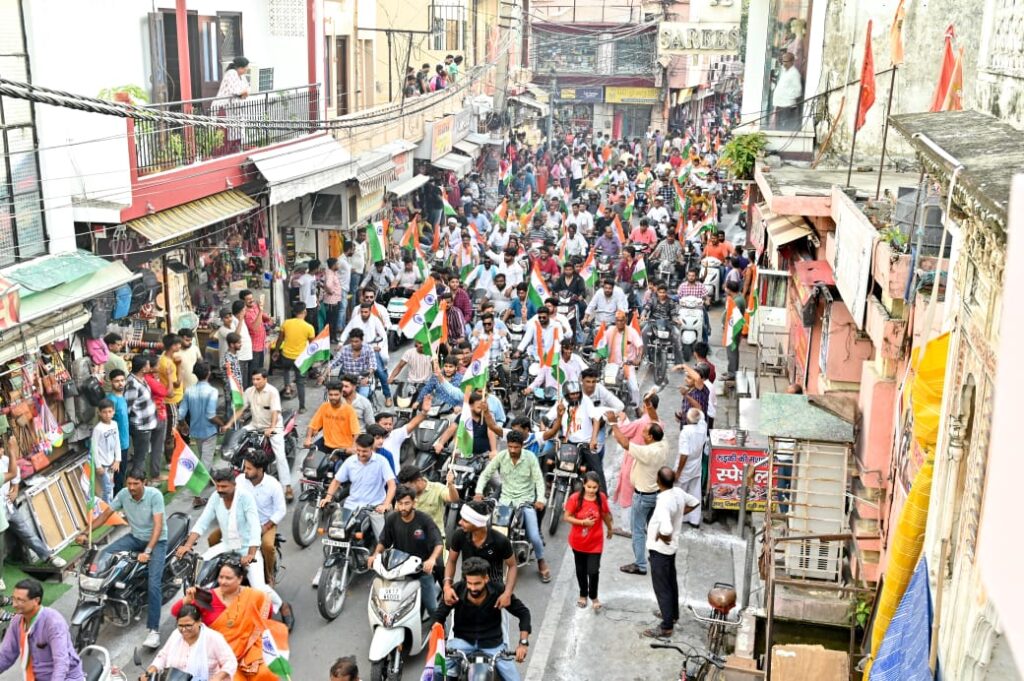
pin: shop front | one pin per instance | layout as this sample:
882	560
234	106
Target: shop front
401	195
436	149
574	109
631	109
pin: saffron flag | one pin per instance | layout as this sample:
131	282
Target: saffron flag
867	82
186	468
417	307
538	290
317	350
946	72
896	35
954	96
619	233
376	240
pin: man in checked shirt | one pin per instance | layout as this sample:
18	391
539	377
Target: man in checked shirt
693	288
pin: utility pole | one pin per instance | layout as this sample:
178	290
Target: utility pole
551	109
506	16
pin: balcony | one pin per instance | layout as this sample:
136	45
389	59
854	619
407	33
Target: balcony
160	146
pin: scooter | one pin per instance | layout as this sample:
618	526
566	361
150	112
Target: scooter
169	674
115	586
710	276
395	612
567	308
691	320
96	665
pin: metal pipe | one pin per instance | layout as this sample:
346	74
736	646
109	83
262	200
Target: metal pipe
940	577
744	488
748	571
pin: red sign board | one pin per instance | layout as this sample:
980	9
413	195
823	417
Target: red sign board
725	469
10	304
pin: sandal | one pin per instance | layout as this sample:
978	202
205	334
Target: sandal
598	606
545	576
581	603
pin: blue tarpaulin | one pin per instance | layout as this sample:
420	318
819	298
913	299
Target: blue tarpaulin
903	655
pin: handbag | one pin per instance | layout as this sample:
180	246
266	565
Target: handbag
39	461
70	389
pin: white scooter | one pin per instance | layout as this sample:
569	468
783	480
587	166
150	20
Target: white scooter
395	613
96	665
711	274
691	319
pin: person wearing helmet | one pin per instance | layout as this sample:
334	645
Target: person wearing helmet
576	421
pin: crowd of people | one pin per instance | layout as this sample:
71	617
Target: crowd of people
577	250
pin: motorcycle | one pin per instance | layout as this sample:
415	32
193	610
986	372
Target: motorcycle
710	276
96	666
478	665
691	319
567	308
238	442
395	612
467	471
666	272
509	522
317	473
115	586
614	379
439	418
660	347
566	471
540	401
348	542
605	266
396	310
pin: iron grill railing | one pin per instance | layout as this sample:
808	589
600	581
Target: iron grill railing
164	145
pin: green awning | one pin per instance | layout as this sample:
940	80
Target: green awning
48	271
43	303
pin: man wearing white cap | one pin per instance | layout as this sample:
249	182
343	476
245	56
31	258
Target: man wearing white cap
474	538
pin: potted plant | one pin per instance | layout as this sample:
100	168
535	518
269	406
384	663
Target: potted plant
739	155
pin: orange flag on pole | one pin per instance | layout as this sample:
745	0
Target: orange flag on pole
896	35
946	72
954	95
867	82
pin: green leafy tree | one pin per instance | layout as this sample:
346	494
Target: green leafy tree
740	154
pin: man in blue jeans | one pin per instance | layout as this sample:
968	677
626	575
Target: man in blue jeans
648	458
143	508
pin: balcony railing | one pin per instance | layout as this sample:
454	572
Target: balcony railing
166	145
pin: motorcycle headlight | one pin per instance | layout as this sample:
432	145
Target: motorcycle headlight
391	613
90	583
336	532
309	473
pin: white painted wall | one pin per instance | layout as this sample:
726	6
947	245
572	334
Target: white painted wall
83	47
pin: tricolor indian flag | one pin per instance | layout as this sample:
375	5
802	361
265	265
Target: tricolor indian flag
600	342
475	375
505	176
317	350
735	327
619	233
412	234
275	651
538	290
640	270
436	668
186	468
98	506
448	210
376	238
627	214
588	272
464	433
237	395
527	202
417	307
502	212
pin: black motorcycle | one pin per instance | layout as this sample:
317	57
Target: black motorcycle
660	348
467	472
510	522
115	586
439	418
478	665
237	442
348	542
567	467
317	473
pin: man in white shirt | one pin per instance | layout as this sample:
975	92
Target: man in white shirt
692	439
307	291
264	404
582	219
574	244
576	419
619	176
662	543
788	93
658	214
498	240
510	267
605	303
270	505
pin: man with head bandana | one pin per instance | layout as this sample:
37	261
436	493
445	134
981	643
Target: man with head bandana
475	538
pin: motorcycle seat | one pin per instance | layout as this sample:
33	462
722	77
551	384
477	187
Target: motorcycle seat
287	415
177	527
92	665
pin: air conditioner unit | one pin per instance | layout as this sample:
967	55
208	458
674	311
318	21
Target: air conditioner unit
814	559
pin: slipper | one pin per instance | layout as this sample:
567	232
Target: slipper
581	603
545	576
598	606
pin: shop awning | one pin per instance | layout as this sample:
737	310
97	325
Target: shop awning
374	172
532	103
45	304
467	147
408	186
192	216
783	229
304	167
457	163
482	139
27	338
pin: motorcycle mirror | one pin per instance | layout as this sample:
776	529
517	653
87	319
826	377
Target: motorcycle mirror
137	657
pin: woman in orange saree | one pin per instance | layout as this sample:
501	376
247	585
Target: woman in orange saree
241	614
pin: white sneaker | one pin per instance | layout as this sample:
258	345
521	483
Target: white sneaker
316	577
57	561
153	640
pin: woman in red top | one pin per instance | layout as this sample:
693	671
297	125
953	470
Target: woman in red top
584	511
155	465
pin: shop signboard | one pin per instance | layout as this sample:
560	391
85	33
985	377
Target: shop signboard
691	38
437	139
583	95
403	166
851	259
10	304
367	205
463	124
631	95
725	474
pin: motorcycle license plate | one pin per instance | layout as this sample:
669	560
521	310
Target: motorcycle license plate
567	466
429	425
335	542
390	594
663	334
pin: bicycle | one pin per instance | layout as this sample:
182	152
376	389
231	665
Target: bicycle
722	599
697	666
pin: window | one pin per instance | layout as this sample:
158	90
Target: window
566	53
328	83
635	55
448	27
229	24
787	32
22	228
